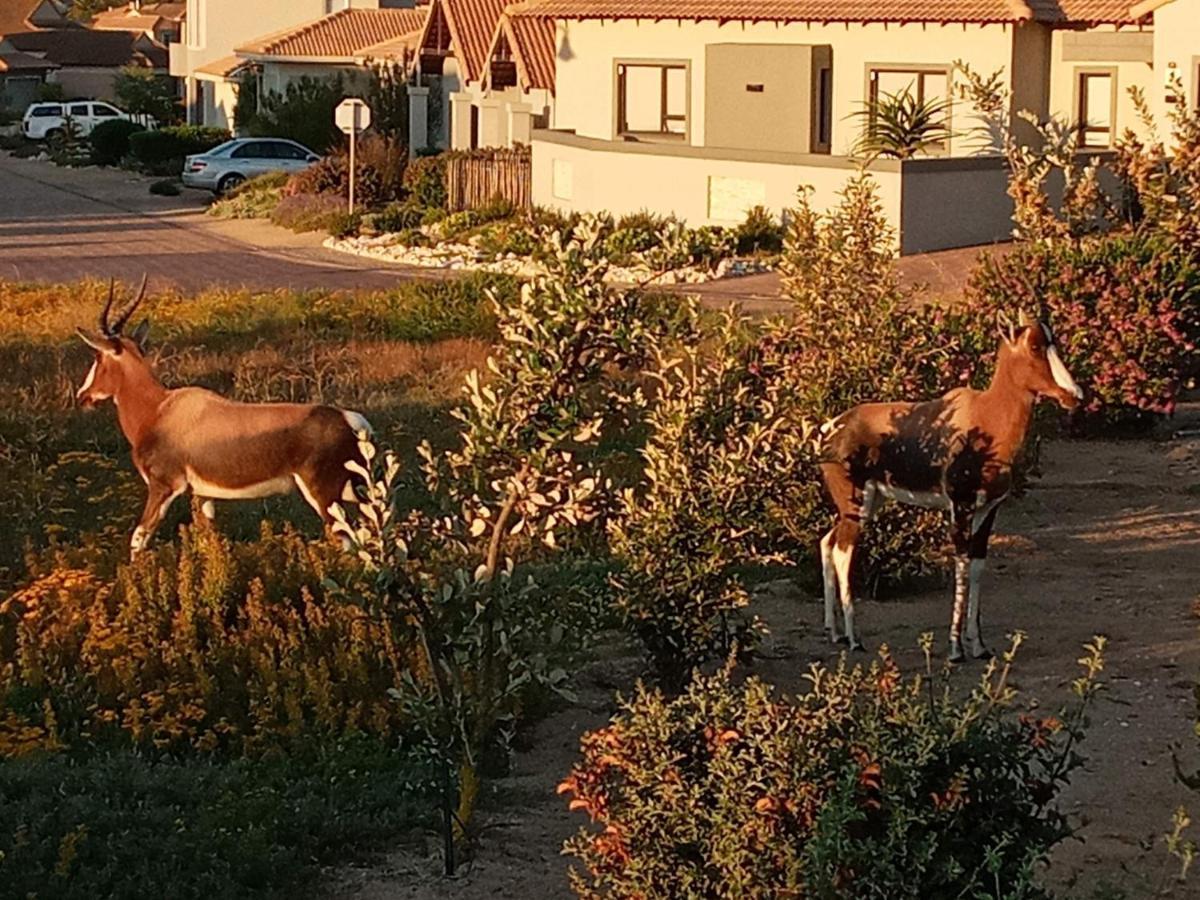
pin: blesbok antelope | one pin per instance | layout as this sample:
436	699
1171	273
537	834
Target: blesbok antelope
220	449
954	453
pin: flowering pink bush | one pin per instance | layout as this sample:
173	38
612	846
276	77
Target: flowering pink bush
1125	310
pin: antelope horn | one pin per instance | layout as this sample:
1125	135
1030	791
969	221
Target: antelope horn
131	308
112	288
1006	327
1022	319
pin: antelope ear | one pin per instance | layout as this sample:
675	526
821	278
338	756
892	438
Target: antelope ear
141	333
96	342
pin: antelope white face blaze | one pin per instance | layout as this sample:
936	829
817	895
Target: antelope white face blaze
1061	376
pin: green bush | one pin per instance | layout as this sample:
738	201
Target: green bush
125	825
867	785
308	212
110	141
346	225
303	113
425	181
760	233
161	152
254	198
398	217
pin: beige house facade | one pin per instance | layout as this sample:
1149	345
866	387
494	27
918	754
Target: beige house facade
706	109
213	29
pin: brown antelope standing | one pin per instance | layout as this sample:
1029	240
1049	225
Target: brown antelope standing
220	449
954	453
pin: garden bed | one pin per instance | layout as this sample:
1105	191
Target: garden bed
459	256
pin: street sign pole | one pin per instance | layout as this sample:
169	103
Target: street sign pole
353	168
352	116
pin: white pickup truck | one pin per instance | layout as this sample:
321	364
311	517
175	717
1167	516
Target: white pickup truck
46	120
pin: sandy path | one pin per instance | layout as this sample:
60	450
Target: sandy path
1108	542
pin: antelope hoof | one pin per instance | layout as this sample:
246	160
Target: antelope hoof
856	647
956	654
982	653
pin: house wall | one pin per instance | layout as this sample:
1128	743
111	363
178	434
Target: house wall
589	50
85	81
214	27
953	203
701	186
1176	49
277	76
215	99
499	112
18	91
1127	53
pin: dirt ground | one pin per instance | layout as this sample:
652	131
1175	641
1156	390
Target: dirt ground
1106	543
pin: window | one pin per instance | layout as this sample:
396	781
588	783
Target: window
926	86
652	100
824	123
253	150
332	6
103	111
45	112
79	109
1095	108
282	150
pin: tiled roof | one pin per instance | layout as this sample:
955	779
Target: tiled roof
399	48
16	61
84	47
338	36
534	49
221	68
15	15
976	11
472	26
126	18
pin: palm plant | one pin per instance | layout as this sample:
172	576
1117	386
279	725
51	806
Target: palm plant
902	125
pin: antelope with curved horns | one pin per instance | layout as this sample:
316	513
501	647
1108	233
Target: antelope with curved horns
954	453
191	438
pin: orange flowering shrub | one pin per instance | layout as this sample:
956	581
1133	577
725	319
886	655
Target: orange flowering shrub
204	644
867	785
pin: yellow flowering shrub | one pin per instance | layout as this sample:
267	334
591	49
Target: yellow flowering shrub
205	643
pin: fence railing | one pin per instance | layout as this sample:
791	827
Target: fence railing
475	177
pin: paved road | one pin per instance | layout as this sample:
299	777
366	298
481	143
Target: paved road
61	225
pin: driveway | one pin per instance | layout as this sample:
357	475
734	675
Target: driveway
66	224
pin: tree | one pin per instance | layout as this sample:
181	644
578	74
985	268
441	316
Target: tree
388	98
143	93
302	112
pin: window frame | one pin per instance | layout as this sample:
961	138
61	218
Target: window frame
871	92
1079	98
621	132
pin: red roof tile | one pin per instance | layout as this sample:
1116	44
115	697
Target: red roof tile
338	36
535	49
472	25
976	11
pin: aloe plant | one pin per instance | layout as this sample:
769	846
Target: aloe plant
901	126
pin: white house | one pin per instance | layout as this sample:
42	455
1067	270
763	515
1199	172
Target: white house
205	58
343	43
705	108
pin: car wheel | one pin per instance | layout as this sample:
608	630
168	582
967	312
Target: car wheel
229	182
54	135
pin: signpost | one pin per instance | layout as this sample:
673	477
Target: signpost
352	116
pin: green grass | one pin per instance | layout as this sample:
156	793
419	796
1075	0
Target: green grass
121	825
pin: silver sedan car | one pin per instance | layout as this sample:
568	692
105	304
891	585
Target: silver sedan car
229	164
